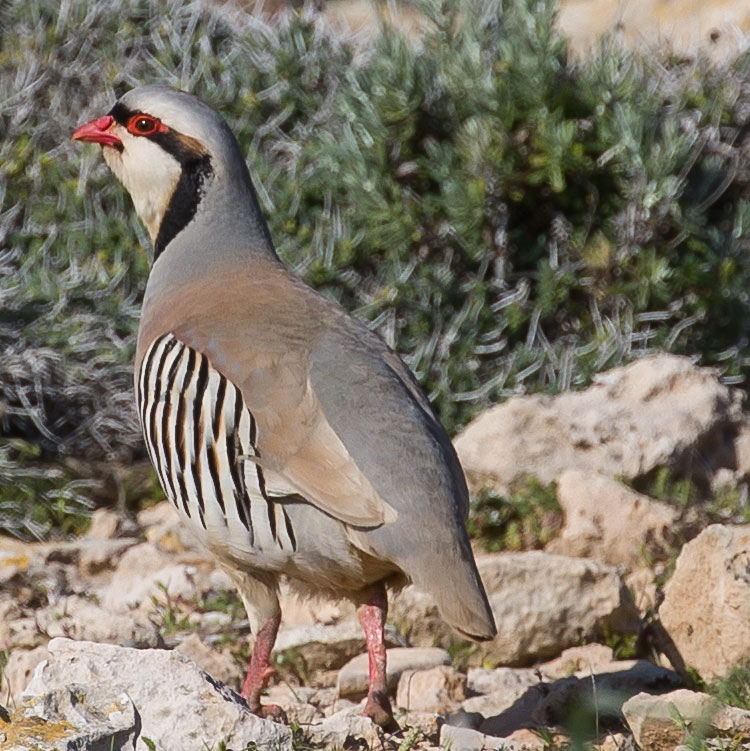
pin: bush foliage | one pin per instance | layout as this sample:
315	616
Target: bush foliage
509	220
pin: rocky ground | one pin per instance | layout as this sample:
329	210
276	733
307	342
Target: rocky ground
130	638
718	28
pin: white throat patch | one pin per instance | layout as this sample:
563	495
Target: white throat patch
149	174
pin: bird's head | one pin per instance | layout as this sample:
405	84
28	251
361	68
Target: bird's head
167	148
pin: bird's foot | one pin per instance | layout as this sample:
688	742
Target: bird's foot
378	709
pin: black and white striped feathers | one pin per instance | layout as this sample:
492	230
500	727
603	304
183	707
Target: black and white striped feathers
202	440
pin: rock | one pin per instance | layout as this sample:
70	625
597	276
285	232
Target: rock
466	739
165	531
591	658
98	555
15	557
76	617
439	689
219	664
343	728
301	704
642	585
104	524
17	673
607	521
543	603
651	413
485	681
706	608
658	722
353	677
145	572
308	610
602	692
180	706
322	647
95	718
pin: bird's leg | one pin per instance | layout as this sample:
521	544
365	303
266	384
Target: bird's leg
372	616
259	670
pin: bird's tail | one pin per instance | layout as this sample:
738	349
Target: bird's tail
459	593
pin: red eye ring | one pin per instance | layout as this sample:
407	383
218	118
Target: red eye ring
144	125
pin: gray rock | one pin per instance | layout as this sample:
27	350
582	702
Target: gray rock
95	718
590	658
347	725
440	689
466	739
18	671
79	618
543	603
322	647
501	688
486	681
706	608
353	677
659	723
180	706
650	413
219	664
608	521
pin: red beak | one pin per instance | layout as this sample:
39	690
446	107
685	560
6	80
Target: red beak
97	131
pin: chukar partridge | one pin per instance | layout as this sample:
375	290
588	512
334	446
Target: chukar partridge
288	436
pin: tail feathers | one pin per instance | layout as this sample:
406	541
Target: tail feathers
461	598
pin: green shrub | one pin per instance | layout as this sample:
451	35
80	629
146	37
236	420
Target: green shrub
507	219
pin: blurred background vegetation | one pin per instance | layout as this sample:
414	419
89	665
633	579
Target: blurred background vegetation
508	218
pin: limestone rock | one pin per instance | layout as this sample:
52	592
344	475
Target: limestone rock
216	663
632	419
543	603
180	706
76	617
322	647
439	689
466	739
590	658
95	718
353	677
18	671
657	721
104	524
607	521
706	608
146	572
340	729
486	681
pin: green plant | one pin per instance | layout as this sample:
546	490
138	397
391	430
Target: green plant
526	519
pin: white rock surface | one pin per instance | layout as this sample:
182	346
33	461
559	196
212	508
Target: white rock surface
79	618
338	730
706	608
608	521
94	718
180	706
17	673
353	677
323	646
440	689
634	418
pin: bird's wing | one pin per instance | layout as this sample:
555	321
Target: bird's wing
264	348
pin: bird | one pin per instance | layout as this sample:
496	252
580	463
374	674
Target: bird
289	437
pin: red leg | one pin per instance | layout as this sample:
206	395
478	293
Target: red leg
259	671
372	617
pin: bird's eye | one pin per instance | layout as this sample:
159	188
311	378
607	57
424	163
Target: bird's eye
143	125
